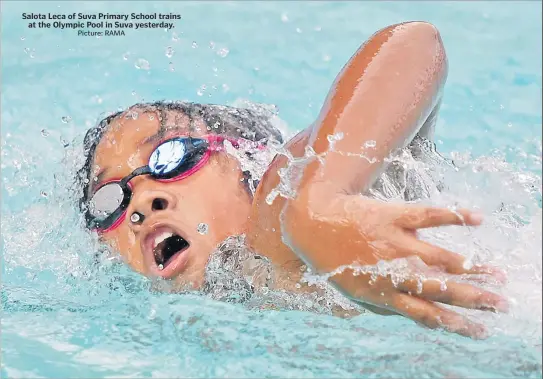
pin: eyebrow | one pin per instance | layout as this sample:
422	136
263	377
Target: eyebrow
154	138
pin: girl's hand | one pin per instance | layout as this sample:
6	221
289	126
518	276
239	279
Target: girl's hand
353	230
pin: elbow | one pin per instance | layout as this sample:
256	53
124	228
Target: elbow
428	40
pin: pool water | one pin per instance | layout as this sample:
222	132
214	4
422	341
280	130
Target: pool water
64	317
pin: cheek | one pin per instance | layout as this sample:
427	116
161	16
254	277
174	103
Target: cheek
124	242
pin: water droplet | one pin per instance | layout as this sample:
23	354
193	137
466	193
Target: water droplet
171	67
370	144
175	38
97	99
132	115
142	64
27	50
510	124
211	45
44	132
284	17
202	228
134	93
126	55
194	45
64	143
335	137
66	119
169	51
223	52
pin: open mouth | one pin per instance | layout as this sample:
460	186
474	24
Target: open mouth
166	246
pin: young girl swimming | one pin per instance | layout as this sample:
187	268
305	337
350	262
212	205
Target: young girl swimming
155	172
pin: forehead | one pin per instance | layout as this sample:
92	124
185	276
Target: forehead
124	135
122	145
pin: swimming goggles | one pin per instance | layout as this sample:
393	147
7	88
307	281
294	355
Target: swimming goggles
172	160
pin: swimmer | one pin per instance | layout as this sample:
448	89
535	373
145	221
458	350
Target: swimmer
156	171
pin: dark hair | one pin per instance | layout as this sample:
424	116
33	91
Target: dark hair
223	120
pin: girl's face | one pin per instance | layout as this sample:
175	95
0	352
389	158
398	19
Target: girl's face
183	221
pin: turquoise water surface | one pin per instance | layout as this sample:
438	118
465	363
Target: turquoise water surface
62	317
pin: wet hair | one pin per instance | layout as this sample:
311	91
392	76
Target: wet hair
219	119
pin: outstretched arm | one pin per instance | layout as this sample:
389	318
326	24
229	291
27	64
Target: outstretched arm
385	93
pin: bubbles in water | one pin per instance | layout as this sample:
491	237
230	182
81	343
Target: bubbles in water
175	38
142	64
223	52
169	52
171	67
194	45
44	132
284	17
211	45
22	38
298	30
202	228
126	56
43	194
201	90
326	58
66	119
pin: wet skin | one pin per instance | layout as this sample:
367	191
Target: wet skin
389	90
212	195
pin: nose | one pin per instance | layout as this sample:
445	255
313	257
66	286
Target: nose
146	202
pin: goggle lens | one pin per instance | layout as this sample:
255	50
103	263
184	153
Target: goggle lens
167	157
105	201
170	159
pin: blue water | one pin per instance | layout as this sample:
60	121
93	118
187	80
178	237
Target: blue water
63	318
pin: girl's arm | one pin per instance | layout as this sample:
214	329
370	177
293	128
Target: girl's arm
384	94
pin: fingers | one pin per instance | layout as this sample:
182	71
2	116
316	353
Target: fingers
428	217
433	317
446	260
452	293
